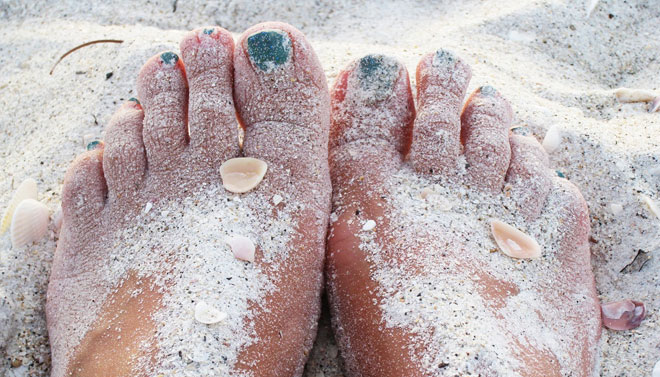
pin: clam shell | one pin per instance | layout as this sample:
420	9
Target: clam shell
29	223
242	174
207	314
242	247
623	315
513	242
26	190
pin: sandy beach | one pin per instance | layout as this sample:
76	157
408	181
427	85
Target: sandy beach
557	62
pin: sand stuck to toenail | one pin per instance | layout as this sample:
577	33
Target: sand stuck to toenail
469	335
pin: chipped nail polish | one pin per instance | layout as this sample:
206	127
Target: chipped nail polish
169	58
208	31
521	130
560	174
96	144
133	99
377	74
269	49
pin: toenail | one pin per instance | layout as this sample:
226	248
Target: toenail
521	130
133	99
208	31
377	74
443	58
96	144
487	90
169	58
269	49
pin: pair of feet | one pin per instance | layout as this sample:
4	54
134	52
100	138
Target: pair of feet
414	287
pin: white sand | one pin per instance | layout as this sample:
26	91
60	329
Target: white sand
556	66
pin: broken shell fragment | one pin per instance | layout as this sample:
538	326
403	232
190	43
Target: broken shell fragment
369	225
242	247
653	208
655	105
623	315
207	314
26	190
634	95
513	242
242	174
29	223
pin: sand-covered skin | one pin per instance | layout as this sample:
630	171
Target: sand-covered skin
555	66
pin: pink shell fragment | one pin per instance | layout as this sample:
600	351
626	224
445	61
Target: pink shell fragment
242	247
623	315
513	242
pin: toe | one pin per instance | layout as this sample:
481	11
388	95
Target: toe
84	190
208	55
442	80
283	104
124	160
372	115
163	91
528	175
485	123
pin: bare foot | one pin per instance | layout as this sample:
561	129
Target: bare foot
416	282
142	256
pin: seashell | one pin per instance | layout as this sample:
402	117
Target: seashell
242	247
26	190
552	139
513	242
634	95
369	225
277	199
656	370
623	315
207	314
655	105
29	223
242	174
653	207
148	207
57	220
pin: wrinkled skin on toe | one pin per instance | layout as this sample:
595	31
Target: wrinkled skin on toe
417	284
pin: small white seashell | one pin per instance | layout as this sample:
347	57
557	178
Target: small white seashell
616	208
242	247
513	242
655	105
26	190
277	199
242	174
57	219
634	95
29	223
656	370
147	207
207	314
552	139
369	225
653	207
591	6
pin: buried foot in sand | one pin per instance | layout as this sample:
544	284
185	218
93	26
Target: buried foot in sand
418	285
144	280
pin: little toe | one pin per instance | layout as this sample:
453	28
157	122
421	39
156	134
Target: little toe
84	191
163	92
485	123
442	79
529	176
283	105
371	126
208	56
124	160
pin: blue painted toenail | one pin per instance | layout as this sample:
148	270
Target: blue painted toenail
94	145
487	90
521	130
133	99
169	58
208	31
560	174
269	49
377	74
443	58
